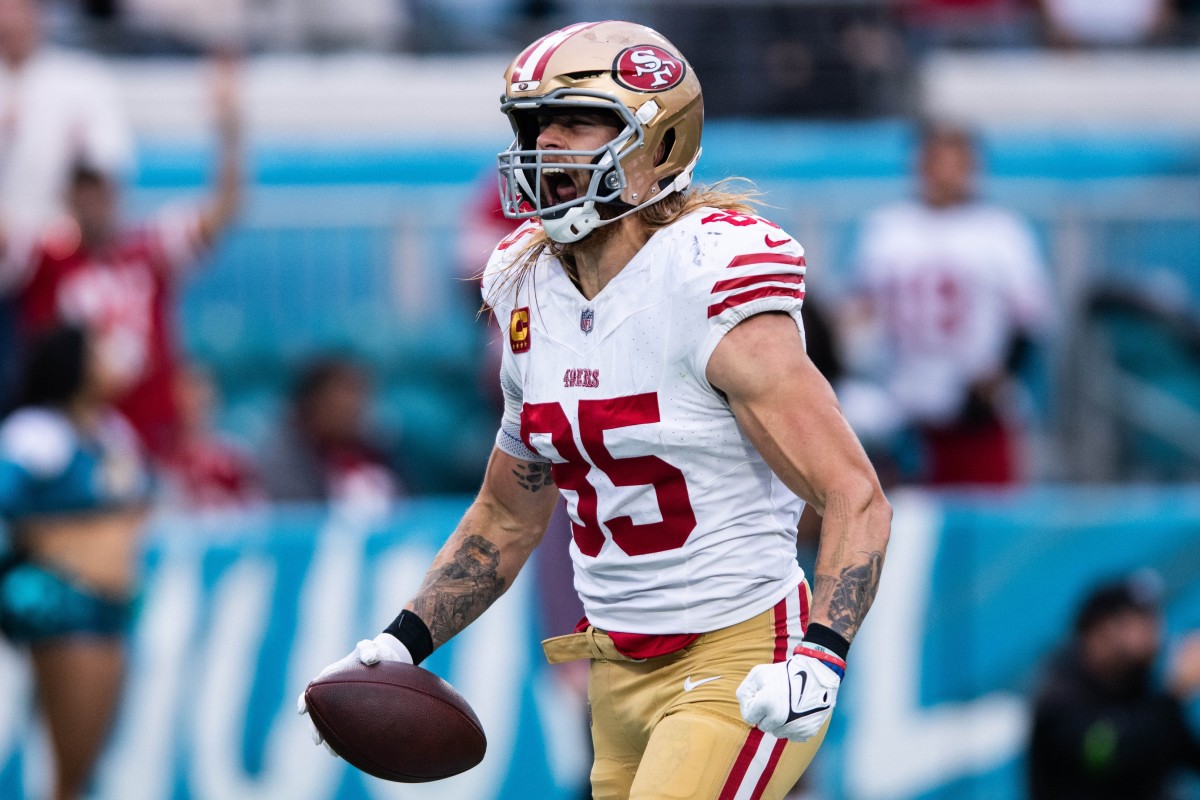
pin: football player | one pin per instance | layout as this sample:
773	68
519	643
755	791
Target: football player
654	373
955	293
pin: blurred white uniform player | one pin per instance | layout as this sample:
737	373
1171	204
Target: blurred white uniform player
956	291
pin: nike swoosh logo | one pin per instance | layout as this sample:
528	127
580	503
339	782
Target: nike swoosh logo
793	714
803	676
689	684
774	243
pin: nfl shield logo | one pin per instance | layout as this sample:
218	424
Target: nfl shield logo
586	318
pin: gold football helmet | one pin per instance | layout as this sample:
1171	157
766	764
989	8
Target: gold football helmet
618	67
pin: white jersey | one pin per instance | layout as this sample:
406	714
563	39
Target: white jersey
950	288
679	526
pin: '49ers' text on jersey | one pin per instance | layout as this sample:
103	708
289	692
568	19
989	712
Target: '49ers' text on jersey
678	524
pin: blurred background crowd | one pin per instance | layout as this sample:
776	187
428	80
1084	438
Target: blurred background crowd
268	216
1010	101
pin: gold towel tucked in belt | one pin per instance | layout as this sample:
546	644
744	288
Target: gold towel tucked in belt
592	643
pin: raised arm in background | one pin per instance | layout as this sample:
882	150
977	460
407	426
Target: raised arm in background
226	199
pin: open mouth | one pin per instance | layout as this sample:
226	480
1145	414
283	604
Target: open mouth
558	185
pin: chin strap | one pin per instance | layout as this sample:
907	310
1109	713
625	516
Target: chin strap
572	227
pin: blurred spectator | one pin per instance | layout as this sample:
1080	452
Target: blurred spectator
54	107
951	293
822	58
952	23
1083	23
276	24
56	110
322	450
88	269
331	24
207	473
1102	728
185	27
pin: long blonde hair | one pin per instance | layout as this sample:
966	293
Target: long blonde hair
653	217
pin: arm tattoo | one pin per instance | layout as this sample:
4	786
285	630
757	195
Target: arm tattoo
850	593
533	475
454	594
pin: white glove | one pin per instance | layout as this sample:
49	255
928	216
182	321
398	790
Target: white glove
792	699
383	647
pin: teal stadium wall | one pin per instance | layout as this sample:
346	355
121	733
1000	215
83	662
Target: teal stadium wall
238	614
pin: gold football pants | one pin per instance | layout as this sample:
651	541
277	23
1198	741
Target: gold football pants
669	728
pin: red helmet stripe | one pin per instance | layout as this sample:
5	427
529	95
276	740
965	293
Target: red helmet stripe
532	62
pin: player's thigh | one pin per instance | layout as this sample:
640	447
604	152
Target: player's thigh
702	756
611	779
617	741
614	761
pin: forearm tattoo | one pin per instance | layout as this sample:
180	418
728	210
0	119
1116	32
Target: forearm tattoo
850	593
454	594
533	475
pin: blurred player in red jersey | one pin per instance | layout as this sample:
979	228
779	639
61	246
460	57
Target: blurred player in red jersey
952	294
654	370
121	282
205	472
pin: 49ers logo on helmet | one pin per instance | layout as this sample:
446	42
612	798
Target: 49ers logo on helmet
647	68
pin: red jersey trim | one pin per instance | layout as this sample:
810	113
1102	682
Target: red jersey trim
742	298
754	280
765	258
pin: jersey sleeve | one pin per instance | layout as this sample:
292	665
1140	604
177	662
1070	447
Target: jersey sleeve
745	270
1028	284
499	290
508	438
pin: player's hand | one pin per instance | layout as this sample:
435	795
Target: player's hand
792	699
383	647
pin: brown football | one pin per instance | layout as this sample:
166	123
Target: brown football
396	721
